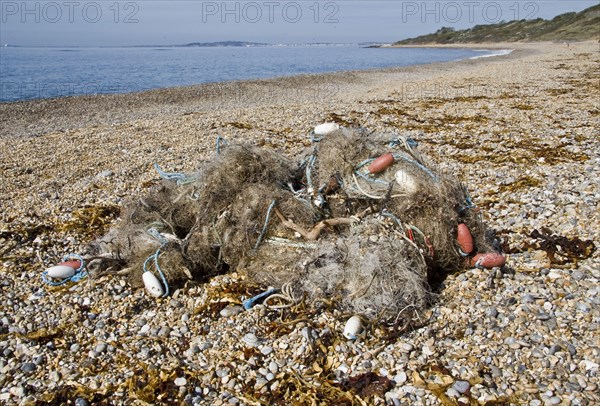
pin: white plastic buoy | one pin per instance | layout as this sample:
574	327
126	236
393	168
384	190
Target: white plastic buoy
353	327
152	284
326	128
60	271
406	181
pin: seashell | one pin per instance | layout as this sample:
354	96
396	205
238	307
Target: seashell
464	239
382	163
353	327
73	264
152	284
60	271
326	128
406	181
487	260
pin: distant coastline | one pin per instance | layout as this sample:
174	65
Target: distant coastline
216	44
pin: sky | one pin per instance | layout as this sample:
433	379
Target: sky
150	22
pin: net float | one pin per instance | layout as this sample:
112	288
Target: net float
487	260
382	163
464	239
326	128
406	181
152	284
61	271
353	328
73	264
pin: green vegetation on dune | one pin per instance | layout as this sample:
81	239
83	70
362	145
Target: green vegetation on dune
565	27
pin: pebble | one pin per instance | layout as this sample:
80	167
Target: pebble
164	331
251	340
427	350
554	348
266	350
28	367
543	316
492	312
180	381
461	386
453	393
106	173
400	378
231	311
100	348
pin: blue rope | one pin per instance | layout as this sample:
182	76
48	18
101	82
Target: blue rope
265	226
154	233
157	266
220	141
418	164
181	178
469	202
76	277
409	141
313	138
249	303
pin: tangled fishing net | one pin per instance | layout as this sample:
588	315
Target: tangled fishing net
362	221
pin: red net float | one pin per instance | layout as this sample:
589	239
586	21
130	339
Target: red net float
464	239
487	260
381	164
73	264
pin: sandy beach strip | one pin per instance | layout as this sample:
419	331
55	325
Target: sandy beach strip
521	130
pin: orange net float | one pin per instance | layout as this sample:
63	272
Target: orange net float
464	239
487	260
381	163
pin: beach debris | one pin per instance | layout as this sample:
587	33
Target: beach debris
361	221
60	271
326	129
487	260
152	284
70	269
353	328
381	163
251	302
406	182
464	239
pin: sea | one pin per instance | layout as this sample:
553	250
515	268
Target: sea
39	73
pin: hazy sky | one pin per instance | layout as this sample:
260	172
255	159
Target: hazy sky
91	23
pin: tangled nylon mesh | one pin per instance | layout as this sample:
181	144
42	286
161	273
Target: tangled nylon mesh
217	219
368	269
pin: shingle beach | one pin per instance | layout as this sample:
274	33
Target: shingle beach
522	131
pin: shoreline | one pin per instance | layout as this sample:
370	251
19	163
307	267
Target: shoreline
81	109
520	131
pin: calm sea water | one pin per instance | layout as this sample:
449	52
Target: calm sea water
34	73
